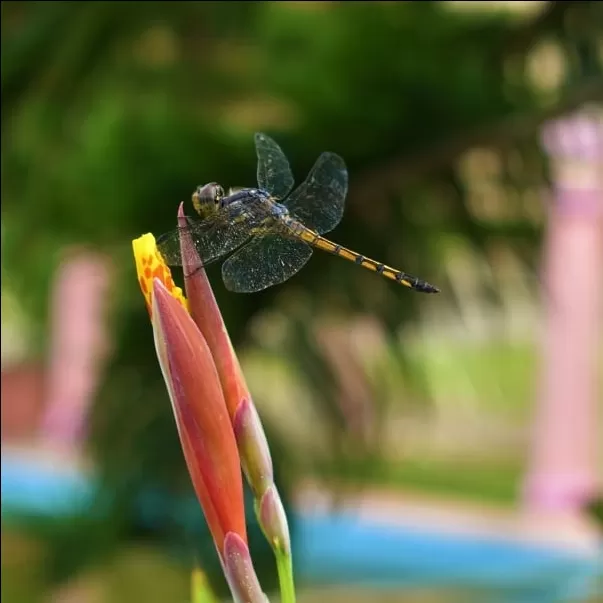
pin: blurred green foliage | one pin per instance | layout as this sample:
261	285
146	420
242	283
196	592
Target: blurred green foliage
113	112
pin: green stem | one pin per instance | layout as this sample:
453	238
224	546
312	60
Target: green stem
201	591
284	568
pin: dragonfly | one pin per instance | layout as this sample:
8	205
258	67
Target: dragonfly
265	235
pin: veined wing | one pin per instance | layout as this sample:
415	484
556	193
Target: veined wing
319	201
265	261
274	173
215	236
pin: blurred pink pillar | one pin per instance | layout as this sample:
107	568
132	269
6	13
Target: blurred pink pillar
562	469
76	349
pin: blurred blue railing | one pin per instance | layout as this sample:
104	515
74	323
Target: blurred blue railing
339	548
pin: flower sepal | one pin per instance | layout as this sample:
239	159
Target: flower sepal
253	448
239	571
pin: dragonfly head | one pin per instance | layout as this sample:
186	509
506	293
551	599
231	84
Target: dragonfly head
206	198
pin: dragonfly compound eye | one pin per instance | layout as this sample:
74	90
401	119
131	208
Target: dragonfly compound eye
206	197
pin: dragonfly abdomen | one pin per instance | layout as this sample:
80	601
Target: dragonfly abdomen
319	242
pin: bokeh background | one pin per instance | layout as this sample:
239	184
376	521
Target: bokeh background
113	112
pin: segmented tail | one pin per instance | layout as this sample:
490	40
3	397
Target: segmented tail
319	242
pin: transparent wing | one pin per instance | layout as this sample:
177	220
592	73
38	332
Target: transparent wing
263	262
213	237
319	201
274	173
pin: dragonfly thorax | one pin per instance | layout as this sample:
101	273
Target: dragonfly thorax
247	198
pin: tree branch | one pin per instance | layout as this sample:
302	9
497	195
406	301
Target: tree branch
390	176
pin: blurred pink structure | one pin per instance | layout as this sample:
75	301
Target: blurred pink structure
22	401
78	346
561	474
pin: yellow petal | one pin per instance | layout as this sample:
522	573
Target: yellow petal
149	265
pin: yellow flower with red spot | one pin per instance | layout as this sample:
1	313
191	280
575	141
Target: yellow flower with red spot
151	265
